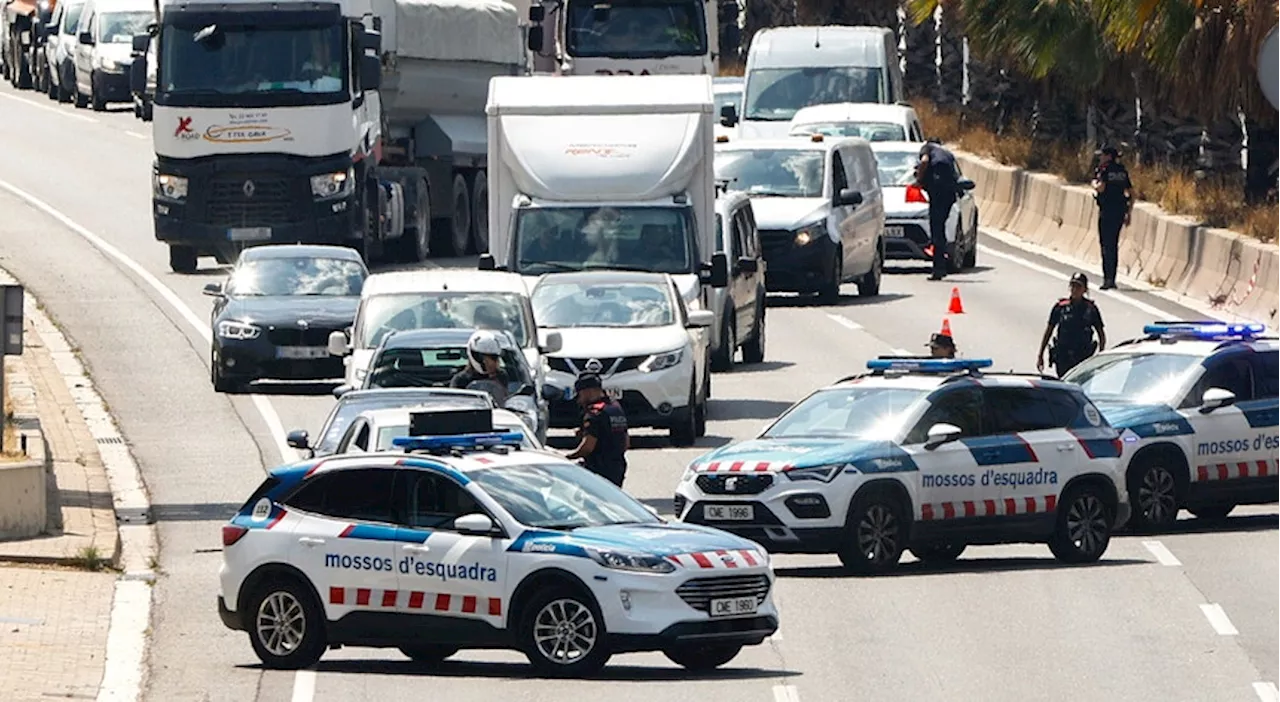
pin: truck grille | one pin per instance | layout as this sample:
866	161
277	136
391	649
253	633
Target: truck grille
699	592
742	484
270	203
299	337
775	241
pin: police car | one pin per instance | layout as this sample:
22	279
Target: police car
464	541
1197	405
930	455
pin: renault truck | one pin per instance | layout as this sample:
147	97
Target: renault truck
625	37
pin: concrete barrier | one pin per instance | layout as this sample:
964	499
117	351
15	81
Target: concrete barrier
1237	275
24	495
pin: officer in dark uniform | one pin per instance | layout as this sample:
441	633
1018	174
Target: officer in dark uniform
936	173
942	346
1076	318
1114	194
603	437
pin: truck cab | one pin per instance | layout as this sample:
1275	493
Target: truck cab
625	37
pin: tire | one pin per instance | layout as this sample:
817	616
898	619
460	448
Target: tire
722	357
414	245
460	234
876	534
550	607
938	553
428	654
80	101
1083	528
700	413
702	657
953	256
684	423
51	89
1154	493
64	95
753	349
480	211
830	290
146	111
290	601
1211	513
869	284
971	253
182	259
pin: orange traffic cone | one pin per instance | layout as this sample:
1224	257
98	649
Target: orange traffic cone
946	327
956	306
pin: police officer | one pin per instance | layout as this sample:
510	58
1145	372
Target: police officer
603	437
936	173
1076	318
942	346
1114	194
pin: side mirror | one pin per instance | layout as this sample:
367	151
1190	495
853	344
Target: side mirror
748	265
86	38
535	40
370	72
848	197
474	525
372	41
141	42
701	318
213	290
49	30
341	390
551	393
966	184
338	345
940	434
138	83
487	262
719	274
537	13
728	116
551	342
1216	398
299	439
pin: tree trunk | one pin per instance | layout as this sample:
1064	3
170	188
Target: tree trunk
921	75
1222	144
1260	177
951	72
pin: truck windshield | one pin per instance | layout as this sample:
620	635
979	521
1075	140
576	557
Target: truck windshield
636	29
775	94
119	27
772	172
653	239
215	65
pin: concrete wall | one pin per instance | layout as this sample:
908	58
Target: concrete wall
1236	274
24	505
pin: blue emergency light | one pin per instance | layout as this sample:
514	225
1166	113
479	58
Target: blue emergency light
458	441
1207	330
929	365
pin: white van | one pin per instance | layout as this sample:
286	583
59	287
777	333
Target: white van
104	50
793	67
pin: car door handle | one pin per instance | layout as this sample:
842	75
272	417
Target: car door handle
417	548
1066	447
310	541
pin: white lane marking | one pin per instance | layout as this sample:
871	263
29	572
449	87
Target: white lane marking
1266	691
46	108
785	693
136	135
844	321
1162	553
304	686
126	642
1121	297
1217	617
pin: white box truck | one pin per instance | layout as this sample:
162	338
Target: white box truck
604	172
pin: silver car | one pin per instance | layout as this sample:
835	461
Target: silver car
907	233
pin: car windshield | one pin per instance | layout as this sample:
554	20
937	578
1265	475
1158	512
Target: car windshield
897	167
386	435
1138	377
559	305
120	27
383	314
773	172
848	412
348	409
726	98
636	29
653	239
284	277
560	496
871	131
775	94
71	18
417	368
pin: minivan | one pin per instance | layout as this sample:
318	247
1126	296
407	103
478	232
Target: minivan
104	50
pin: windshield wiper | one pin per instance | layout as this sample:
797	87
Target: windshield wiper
615	267
553	265
561	527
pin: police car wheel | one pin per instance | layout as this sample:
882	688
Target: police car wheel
1153	491
563	635
1083	528
876	534
938	553
1211	513
428	654
701	657
287	629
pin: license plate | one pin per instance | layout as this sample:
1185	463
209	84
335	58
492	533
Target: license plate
734	607
612	393
249	234
730	513
895	232
302	352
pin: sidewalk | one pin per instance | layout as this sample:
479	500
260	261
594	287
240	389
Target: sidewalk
56	590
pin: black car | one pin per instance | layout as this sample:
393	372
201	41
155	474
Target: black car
353	403
274	314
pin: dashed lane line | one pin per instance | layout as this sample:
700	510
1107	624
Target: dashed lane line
136	135
46	108
1266	691
844	321
1218	619
1162	553
785	693
304	686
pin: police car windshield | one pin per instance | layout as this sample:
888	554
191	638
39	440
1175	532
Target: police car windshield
560	496
848	412
1140	378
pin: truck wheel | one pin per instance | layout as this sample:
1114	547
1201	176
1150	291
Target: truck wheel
51	89
415	243
461	233
480	211
80	100
182	259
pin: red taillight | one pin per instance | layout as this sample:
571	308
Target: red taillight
916	194
1119	446
232	533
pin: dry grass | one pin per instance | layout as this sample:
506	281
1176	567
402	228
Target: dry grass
1214	202
732	69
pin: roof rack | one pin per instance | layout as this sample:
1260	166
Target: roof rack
885	365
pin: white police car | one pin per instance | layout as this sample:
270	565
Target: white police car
1197	404
467	542
930	455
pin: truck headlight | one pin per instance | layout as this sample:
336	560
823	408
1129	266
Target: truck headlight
331	185
238	330
633	562
170	187
820	473
661	361
813	232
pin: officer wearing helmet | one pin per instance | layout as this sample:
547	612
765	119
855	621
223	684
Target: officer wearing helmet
603	438
484	363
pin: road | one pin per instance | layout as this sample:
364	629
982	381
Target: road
1189	615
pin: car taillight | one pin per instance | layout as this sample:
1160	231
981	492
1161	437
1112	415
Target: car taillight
916	194
1119	444
232	533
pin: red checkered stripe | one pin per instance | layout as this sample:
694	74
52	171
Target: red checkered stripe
718	560
415	601
988	508
1241	469
743	467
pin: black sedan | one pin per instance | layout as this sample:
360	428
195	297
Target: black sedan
272	317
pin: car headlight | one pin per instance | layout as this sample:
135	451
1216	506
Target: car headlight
238	330
329	185
811	233
821	473
661	361
689	474
633	562
171	187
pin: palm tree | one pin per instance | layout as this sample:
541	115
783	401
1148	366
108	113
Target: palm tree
762	14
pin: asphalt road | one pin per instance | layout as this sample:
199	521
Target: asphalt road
1002	623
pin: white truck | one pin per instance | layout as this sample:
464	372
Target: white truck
605	172
625	37
356	122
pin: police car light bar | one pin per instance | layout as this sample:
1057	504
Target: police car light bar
929	365
1206	330
458	441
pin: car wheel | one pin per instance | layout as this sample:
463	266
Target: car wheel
876	534
971	253
700	405
428	654
1211	513
938	553
701	657
722	357
182	259
1154	494
753	350
287	626
1083	528
80	100
684	423
830	291
953	255
562	633
869	284
64	95
51	89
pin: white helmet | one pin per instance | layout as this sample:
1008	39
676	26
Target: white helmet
482	343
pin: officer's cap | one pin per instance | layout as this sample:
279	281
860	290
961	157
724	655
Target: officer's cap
1110	150
1080	278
